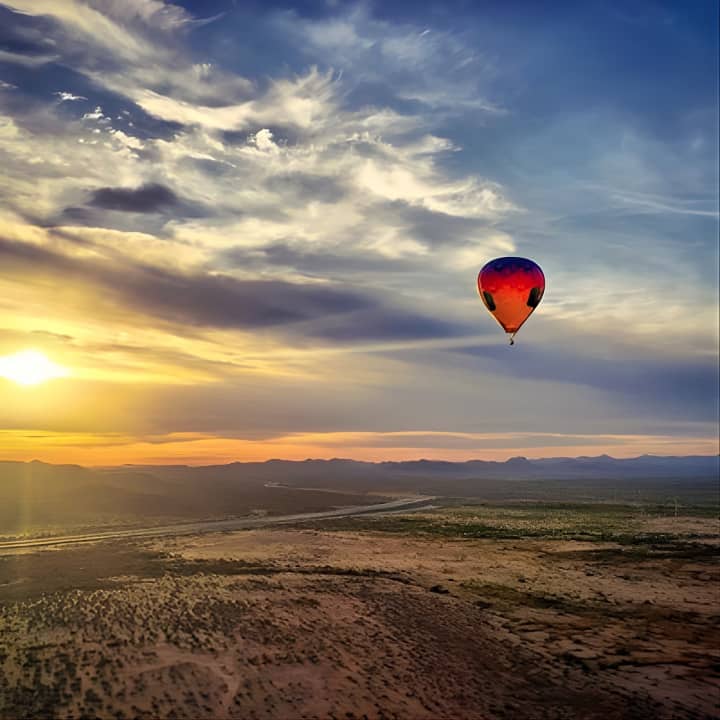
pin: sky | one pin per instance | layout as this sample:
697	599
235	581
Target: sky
252	230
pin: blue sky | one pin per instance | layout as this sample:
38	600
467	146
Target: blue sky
252	229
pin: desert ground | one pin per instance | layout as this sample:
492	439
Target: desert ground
464	611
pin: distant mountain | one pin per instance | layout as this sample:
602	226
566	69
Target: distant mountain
340	472
37	494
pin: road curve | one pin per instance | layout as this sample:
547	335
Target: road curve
408	504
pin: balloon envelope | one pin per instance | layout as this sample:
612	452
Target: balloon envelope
511	288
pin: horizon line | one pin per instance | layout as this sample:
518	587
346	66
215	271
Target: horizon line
604	456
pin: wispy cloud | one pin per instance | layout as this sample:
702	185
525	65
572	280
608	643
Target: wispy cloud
439	69
661	205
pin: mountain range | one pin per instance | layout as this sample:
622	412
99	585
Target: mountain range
36	494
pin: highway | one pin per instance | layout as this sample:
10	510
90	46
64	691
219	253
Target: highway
408	504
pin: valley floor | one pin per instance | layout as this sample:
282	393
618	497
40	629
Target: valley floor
469	612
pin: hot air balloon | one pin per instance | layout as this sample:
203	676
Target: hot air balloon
511	288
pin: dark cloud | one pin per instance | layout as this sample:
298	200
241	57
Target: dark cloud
148	198
305	187
686	388
144	209
227	302
73	215
315	263
57	337
387	324
430	227
199	300
24	35
219	301
438	228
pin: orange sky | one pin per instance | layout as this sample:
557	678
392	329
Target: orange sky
202	450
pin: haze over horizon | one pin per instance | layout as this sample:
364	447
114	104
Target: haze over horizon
409	461
244	231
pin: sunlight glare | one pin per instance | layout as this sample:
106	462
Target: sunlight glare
30	367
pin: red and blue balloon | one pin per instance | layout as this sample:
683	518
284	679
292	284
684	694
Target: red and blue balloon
511	288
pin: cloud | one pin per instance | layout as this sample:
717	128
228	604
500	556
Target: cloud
202	300
152	197
30	61
660	205
301	186
24	41
334	161
665	384
69	97
98	21
153	14
125	47
437	69
385	323
320	263
301	102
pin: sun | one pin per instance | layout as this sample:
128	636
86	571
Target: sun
30	367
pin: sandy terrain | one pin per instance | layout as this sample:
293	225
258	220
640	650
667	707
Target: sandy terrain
316	623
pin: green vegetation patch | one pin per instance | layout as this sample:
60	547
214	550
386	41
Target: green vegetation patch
104	565
552	521
638	549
